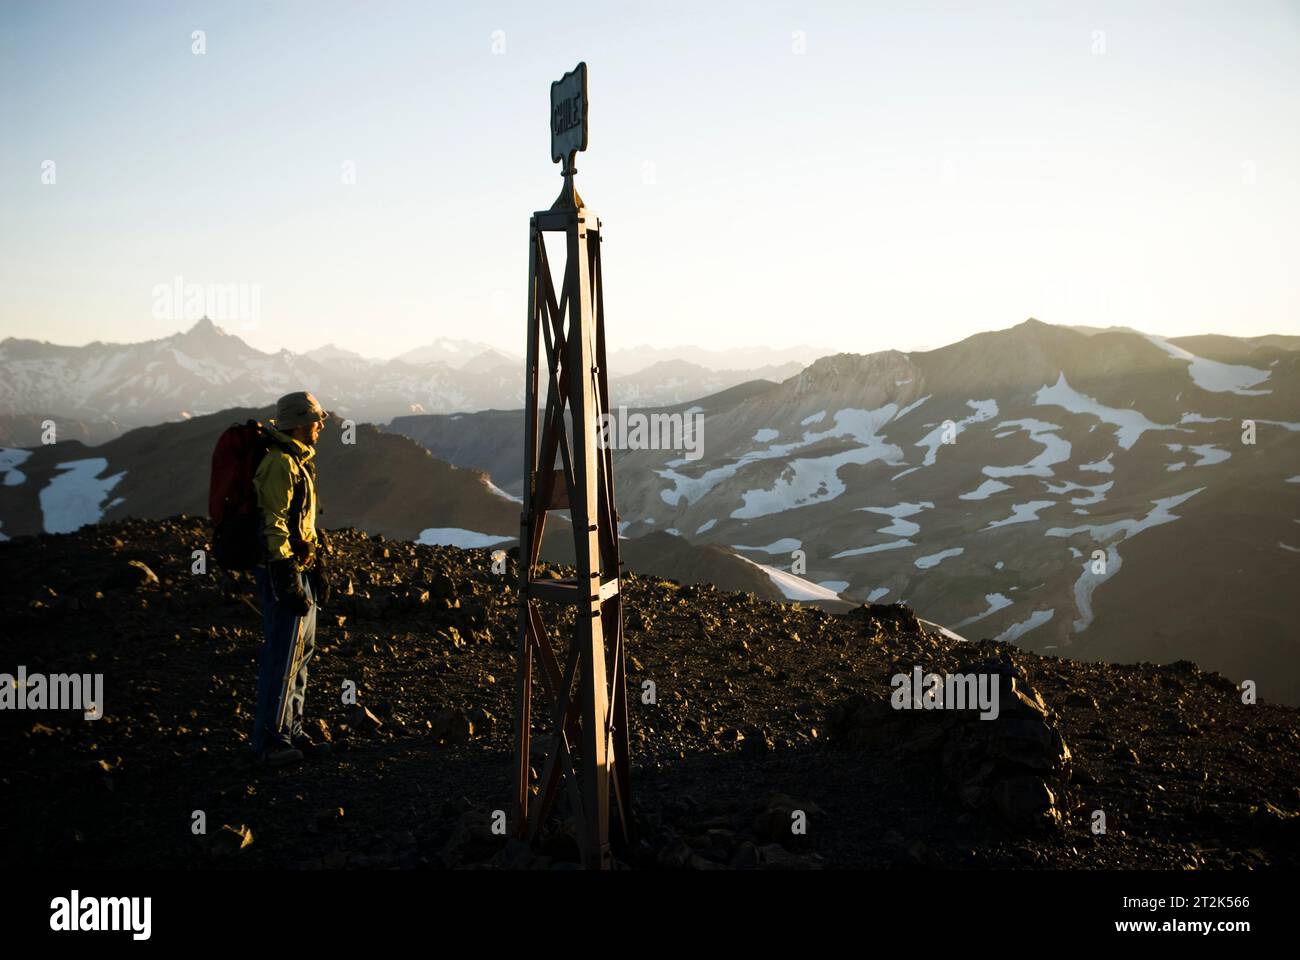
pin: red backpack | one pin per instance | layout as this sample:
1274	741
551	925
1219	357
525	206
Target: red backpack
232	501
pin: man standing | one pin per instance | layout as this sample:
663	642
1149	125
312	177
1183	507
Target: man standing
291	581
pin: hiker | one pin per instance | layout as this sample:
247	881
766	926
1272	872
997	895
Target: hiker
292	579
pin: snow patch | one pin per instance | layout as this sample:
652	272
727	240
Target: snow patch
1088	582
942	629
784	545
1022	513
932	441
1214	376
766	434
1116	533
458	537
934	559
75	498
1208	453
808	480
792	587
1130	423
804	480
1128	528
899	526
11	458
859	551
510	496
1096	493
911	406
985	490
995	603
1017	630
1055	450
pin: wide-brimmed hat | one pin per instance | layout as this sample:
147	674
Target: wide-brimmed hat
297	410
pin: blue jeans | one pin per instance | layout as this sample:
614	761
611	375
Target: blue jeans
281	630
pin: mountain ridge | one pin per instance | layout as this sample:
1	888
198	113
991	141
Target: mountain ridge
204	369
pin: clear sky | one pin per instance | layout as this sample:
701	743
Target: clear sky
859	175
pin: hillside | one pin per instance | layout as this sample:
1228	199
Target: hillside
382	481
493	440
1097	497
28	429
762	709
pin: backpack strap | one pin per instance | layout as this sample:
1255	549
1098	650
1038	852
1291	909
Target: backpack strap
297	503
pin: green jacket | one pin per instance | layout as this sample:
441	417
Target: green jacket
278	476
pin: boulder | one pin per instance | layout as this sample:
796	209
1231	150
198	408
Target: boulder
132	575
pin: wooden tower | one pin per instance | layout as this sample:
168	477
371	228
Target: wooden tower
583	690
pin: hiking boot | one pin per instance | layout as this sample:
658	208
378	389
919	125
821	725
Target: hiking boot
310	747
279	755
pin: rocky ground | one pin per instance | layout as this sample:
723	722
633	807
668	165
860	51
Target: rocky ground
767	715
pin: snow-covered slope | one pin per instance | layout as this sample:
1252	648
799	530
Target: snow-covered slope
1031	485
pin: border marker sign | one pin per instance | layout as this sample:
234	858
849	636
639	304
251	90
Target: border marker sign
569	116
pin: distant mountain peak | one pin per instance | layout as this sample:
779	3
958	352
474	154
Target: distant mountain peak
332	353
1034	325
452	352
205	327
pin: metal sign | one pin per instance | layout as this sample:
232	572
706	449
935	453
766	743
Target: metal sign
569	115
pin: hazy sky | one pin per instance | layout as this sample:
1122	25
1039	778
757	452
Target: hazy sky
858	175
